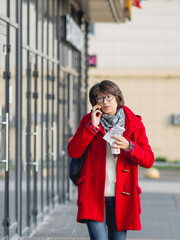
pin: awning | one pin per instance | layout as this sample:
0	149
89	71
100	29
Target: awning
106	10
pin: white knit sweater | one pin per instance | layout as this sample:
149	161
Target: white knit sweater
111	163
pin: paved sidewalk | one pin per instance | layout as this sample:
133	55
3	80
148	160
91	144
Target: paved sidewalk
160	213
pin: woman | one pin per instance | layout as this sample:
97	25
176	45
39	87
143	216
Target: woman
108	190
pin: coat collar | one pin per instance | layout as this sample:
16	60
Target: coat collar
132	121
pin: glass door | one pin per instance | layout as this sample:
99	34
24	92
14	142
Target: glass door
4	136
65	163
36	138
12	137
52	125
3	126
30	144
50	145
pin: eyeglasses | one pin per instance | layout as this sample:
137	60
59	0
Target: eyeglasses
108	98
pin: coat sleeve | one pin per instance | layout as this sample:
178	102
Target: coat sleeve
82	138
142	153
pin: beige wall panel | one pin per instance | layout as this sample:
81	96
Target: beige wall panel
155	99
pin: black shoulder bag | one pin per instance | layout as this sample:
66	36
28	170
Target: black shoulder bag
76	167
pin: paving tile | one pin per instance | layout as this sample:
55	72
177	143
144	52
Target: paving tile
160	218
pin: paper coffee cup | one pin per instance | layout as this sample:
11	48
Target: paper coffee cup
115	150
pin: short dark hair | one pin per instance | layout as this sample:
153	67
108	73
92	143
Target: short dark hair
106	87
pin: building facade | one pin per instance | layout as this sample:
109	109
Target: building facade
43	82
43	96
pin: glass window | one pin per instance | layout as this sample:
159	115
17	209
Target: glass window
12	115
51	28
39	128
13	10
2	126
62	53
24	22
45	27
44	111
55	126
55	30
60	102
75	103
49	127
3	7
24	124
65	136
40	24
32	23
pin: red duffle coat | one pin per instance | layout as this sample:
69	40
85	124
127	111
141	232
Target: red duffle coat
91	184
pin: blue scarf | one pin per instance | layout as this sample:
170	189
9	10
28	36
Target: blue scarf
109	122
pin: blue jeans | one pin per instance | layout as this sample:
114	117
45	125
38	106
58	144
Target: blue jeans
107	229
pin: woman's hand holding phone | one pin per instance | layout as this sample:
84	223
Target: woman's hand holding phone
96	115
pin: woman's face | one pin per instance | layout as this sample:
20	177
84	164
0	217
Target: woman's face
108	103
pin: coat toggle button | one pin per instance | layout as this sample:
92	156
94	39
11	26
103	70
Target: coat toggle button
125	193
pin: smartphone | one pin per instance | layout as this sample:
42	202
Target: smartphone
98	109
